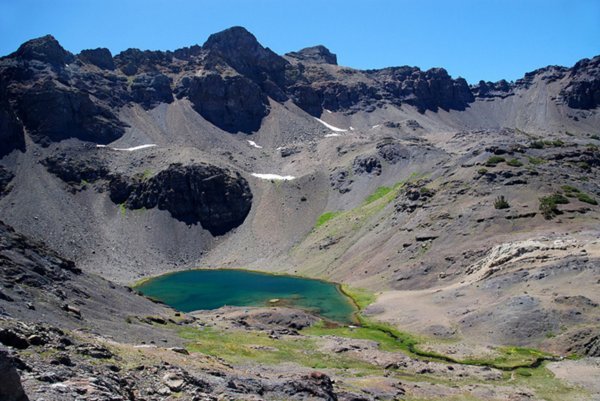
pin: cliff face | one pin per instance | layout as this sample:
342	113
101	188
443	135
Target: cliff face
193	194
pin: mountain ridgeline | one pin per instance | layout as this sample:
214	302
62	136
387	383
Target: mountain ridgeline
56	95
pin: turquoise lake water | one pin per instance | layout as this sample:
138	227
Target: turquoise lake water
210	289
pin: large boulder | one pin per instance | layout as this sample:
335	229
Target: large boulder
11	388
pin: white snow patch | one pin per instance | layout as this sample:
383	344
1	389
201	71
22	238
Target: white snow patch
351	128
150	145
279	148
332	135
328	111
273	177
331	127
252	143
376	126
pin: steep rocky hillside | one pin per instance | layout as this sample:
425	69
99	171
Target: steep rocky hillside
470	210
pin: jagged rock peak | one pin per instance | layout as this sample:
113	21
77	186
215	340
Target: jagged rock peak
100	57
240	49
46	49
236	37
317	54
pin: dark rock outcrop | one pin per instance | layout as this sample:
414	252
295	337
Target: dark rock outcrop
134	61
585	342
52	113
234	104
426	90
75	169
30	263
366	165
316	54
316	384
583	92
5	179
149	90
11	129
193	194
488	89
340	180
11	388
392	152
45	49
240	49
100	57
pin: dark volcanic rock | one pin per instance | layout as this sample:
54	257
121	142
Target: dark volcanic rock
316	384
492	89
76	168
240	49
316	54
5	179
366	165
45	49
149	90
53	113
583	92
426	90
11	388
233	104
392	152
341	181
30	263
192	194
101	58
307	98
133	61
11	130
585	342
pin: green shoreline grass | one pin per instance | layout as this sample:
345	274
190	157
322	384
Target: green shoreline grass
511	358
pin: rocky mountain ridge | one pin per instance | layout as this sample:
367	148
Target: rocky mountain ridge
228	80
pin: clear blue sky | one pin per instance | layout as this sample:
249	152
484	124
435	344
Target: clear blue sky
475	39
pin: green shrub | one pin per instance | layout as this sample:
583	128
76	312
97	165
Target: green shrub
494	160
556	143
378	194
426	191
596	137
325	217
537	145
569	190
583	197
482	171
536	160
548	205
501	203
583	165
514	163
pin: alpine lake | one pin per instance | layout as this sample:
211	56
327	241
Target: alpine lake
192	290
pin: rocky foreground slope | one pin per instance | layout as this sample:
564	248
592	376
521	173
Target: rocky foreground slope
469	212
